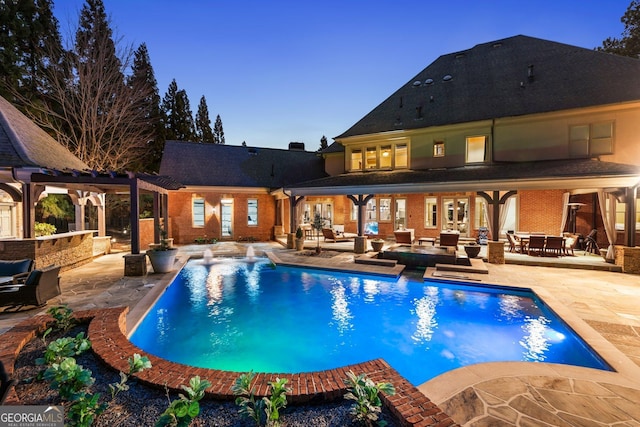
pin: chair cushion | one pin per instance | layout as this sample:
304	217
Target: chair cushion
10	268
33	278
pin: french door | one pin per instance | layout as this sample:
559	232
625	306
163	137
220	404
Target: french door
226	217
456	215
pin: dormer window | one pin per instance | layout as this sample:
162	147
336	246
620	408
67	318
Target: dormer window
476	149
375	157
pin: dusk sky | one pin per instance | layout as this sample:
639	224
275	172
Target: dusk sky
281	71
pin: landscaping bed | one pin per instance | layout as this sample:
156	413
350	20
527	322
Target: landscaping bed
142	405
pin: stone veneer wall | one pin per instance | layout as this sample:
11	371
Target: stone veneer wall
628	258
106	331
68	250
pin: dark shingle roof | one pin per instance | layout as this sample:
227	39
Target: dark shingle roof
194	164
559	169
511	77
24	144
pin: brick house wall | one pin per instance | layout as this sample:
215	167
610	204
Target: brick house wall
540	211
182	230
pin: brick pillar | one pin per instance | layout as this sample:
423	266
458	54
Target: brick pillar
495	252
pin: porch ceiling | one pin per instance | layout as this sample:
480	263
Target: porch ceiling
553	174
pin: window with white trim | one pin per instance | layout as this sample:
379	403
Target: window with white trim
252	212
476	149
197	212
588	140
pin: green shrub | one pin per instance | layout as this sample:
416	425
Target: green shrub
44	229
63	319
183	410
366	396
137	364
62	348
85	409
69	378
265	410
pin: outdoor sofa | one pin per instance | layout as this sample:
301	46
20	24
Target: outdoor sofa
39	286
330	234
14	269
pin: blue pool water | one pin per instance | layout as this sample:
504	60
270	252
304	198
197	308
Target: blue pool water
239	316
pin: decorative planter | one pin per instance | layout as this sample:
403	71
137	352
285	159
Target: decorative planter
472	250
377	245
299	244
162	261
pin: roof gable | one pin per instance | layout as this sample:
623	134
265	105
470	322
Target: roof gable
511	77
24	144
195	164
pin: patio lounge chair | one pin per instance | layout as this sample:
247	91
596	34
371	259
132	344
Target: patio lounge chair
39	287
5	384
536	244
449	239
329	234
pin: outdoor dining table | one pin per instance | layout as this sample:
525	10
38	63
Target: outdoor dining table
524	241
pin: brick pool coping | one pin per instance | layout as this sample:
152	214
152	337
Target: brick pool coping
107	332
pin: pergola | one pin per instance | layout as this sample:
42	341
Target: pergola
100	183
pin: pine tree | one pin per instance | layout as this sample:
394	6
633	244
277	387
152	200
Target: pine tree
629	43
218	132
323	143
169	111
143	83
203	123
30	44
178	116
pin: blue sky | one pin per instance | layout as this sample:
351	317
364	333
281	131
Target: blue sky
280	71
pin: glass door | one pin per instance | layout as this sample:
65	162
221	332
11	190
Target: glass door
400	220
6	229
226	217
456	215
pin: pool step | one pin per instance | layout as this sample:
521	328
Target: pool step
370	260
477	266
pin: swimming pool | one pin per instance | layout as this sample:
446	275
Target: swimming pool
239	316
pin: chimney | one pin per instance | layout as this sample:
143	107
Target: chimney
297	146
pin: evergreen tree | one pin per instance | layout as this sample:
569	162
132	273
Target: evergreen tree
203	123
218	132
178	116
143	83
323	143
29	45
95	46
629	43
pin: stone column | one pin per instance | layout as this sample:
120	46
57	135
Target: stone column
628	258
495	252
360	245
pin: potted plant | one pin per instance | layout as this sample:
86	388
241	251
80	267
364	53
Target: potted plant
299	239
317	224
162	255
376	244
472	249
